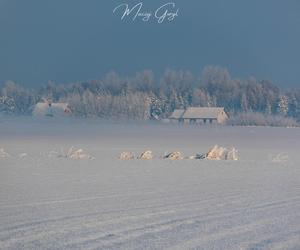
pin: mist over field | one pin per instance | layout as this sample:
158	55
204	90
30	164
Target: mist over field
47	201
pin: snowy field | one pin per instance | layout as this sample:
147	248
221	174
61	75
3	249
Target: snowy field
47	202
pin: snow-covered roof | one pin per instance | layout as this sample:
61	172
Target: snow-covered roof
202	113
177	114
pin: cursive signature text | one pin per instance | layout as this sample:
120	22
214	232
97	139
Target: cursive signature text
166	12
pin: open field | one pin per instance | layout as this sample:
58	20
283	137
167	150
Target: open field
48	202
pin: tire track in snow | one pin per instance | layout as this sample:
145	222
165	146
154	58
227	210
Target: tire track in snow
174	225
166	225
30	226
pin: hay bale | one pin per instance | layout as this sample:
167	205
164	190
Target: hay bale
126	156
176	155
147	155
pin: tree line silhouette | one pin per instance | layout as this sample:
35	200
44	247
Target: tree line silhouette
144	97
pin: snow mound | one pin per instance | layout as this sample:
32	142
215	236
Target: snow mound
146	155
221	153
3	154
232	154
126	156
282	157
193	157
80	155
176	155
197	157
53	153
22	155
216	153
76	154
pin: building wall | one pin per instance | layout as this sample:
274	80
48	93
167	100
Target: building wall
222	117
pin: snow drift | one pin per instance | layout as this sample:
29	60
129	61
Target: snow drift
3	154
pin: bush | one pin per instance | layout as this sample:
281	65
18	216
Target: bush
259	119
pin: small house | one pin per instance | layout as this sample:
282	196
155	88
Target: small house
52	109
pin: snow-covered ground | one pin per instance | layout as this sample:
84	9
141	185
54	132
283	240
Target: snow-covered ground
50	202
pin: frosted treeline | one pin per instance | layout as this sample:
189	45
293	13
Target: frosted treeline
145	96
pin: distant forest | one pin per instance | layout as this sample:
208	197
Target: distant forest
142	97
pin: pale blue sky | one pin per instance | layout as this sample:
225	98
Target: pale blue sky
70	40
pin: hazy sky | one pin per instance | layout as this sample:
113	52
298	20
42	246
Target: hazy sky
69	40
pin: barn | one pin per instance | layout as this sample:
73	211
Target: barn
176	116
200	115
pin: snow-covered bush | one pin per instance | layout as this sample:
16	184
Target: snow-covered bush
76	154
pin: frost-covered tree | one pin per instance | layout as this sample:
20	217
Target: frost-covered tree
244	103
144	96
16	99
283	105
7	105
